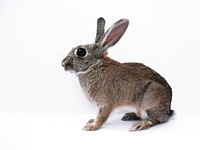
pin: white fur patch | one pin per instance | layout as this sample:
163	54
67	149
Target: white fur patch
143	115
81	72
86	71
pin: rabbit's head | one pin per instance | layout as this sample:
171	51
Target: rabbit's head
82	57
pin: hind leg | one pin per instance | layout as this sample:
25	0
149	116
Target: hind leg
130	117
155	116
156	101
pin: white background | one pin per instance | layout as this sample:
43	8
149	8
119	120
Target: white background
43	107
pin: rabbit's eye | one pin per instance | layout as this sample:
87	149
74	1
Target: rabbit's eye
81	52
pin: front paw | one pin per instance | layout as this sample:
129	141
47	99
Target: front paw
91	125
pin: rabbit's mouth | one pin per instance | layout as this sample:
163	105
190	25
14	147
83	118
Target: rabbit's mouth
67	64
68	68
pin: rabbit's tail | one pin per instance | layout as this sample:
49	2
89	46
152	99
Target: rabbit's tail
172	112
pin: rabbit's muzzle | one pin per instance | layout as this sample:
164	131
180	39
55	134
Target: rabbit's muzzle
67	63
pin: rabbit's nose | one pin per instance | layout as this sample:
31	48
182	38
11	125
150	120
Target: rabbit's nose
66	61
63	63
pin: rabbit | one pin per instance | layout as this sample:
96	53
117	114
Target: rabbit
111	84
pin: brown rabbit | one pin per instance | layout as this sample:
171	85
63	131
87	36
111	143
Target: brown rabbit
111	84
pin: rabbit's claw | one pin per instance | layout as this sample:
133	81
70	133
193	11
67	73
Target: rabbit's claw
90	121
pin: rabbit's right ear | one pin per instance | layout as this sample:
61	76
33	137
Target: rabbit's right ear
114	34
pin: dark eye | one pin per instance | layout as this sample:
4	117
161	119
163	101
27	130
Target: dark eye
81	52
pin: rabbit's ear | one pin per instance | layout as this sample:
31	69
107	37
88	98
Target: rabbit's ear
100	29
114	33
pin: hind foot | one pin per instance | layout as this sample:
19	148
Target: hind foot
130	117
141	125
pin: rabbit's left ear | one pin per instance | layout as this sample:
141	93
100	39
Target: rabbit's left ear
113	34
100	29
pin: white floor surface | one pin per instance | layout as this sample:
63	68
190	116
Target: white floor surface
62	132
